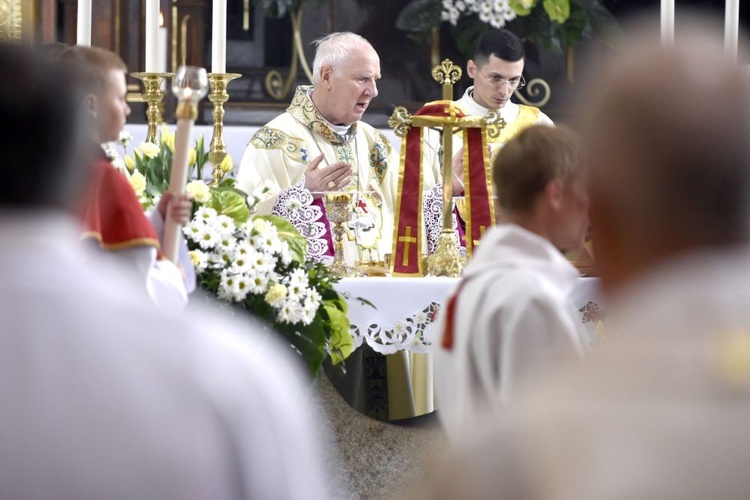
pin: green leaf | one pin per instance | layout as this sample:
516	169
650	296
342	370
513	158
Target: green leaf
557	10
467	33
604	25
310	340
230	203
335	299
519	9
341	343
287	232
574	28
419	16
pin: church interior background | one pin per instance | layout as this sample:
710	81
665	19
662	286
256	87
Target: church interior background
261	49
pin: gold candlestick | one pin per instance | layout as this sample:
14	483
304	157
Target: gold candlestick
153	95
218	95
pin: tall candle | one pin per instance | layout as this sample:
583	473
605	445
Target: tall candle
83	35
161	67
667	22
731	28
152	36
219	40
177	183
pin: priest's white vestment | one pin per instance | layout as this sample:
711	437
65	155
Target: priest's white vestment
513	320
279	153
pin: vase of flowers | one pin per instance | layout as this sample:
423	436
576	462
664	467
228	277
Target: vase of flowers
556	25
249	262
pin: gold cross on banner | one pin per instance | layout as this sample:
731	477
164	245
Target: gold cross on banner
407	239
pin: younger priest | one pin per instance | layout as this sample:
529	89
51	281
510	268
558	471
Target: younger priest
114	222
510	318
497	71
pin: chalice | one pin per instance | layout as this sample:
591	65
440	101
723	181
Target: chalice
339	211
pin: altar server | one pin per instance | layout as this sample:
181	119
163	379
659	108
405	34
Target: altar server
510	318
115	226
103	395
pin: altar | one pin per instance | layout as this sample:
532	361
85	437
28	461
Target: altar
389	376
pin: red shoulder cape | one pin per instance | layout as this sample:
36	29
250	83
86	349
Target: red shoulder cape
112	214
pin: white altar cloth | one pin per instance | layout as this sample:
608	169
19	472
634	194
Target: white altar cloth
399	384
405	306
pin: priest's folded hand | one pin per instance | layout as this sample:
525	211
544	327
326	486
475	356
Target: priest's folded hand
331	177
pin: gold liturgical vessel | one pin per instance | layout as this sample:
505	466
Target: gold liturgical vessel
339	210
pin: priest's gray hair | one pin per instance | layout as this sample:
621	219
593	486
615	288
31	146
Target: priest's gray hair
332	50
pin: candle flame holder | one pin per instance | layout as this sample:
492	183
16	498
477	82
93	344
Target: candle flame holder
218	95
153	95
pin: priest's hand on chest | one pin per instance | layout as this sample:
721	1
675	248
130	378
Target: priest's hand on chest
321	177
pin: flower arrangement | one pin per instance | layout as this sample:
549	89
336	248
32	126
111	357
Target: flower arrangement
250	262
554	24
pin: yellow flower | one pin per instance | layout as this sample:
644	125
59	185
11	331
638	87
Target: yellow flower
149	149
138	182
191	157
167	138
198	190
275	294
129	163
226	164
195	257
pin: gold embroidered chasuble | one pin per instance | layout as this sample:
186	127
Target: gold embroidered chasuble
279	153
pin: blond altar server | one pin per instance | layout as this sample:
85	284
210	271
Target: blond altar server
497	71
660	410
115	228
104	395
320	144
511	317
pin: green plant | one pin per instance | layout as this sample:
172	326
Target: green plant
554	24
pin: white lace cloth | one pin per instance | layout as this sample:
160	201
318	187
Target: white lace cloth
295	205
405	306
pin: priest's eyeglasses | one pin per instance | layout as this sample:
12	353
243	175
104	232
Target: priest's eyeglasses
497	81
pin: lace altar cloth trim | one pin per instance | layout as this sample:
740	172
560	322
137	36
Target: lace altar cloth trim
408	333
295	204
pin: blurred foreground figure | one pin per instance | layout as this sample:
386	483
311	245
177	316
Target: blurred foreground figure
104	396
510	318
661	410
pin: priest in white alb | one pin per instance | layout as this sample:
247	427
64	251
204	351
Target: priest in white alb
319	145
510	318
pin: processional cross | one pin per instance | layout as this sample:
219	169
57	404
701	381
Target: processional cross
446	260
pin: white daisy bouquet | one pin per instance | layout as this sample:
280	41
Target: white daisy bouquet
254	263
259	264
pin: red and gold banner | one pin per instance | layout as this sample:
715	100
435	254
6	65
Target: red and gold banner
406	259
480	212
408	231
